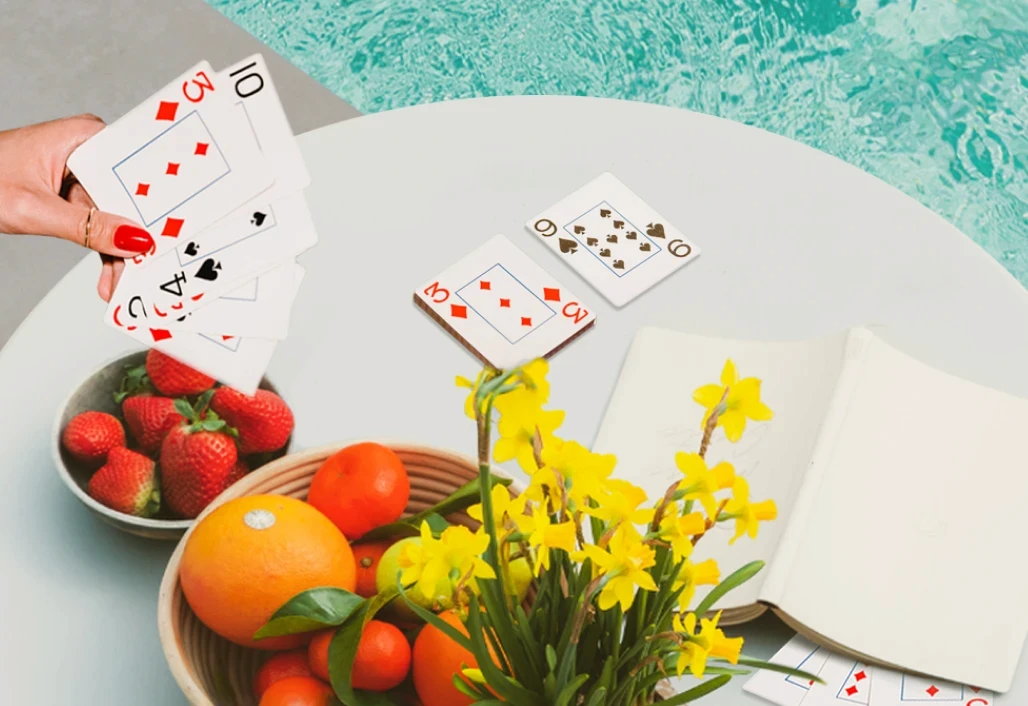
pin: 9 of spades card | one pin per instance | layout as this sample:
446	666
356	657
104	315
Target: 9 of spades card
613	238
503	307
176	164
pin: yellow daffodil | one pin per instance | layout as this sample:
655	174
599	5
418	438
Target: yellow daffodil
701	483
691	575
678	530
619	505
624	565
519	420
484	376
534	384
582	472
747	515
503	506
710	641
456	554
738	400
544	535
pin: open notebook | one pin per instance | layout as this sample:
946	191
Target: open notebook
902	494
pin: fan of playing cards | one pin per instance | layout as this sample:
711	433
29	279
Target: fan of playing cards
210	167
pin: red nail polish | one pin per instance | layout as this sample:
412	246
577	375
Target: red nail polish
134	239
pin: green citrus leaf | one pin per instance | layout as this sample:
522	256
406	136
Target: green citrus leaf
461	499
343	649
316	609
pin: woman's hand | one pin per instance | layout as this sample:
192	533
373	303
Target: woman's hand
39	196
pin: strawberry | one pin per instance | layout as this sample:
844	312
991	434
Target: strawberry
264	421
150	418
198	459
89	436
126	483
173	378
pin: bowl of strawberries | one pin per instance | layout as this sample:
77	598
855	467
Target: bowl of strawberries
146	442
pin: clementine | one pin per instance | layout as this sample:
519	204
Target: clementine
317	652
382	660
278	667
436	658
251	555
360	488
297	691
367	557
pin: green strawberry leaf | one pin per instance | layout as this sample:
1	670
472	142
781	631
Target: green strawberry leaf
213	424
204	400
183	407
343	649
315	609
134	382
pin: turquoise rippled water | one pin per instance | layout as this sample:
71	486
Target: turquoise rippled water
929	95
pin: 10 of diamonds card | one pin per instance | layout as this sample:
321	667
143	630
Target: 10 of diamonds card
613	238
504	308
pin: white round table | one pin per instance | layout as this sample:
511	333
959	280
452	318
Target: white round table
795	244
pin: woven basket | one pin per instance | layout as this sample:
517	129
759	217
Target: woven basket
212	671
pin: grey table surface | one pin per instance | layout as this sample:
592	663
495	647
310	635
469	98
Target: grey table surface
104	57
795	244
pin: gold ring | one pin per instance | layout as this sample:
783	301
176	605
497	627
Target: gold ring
89	223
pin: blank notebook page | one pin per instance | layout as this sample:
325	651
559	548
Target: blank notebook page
652	415
912	551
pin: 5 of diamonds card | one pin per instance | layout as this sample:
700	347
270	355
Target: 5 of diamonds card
613	238
504	308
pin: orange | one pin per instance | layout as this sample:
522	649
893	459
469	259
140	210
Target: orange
317	652
367	557
297	691
360	488
278	667
382	661
251	555
383	658
436	659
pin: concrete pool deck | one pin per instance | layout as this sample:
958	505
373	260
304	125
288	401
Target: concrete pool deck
103	57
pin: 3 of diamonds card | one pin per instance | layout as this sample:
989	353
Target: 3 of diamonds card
613	238
504	308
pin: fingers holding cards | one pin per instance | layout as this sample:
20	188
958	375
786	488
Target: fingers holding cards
210	166
503	307
614	239
174	162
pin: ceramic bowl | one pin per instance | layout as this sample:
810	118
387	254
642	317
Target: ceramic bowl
96	392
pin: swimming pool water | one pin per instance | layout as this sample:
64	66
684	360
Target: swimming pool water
929	95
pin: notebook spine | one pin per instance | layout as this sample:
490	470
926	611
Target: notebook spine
776	582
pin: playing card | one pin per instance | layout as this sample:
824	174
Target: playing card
617	242
503	307
177	163
846	682
213	263
890	688
256	100
784	689
259	308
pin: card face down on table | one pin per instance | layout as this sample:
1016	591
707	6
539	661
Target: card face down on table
503	307
210	167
